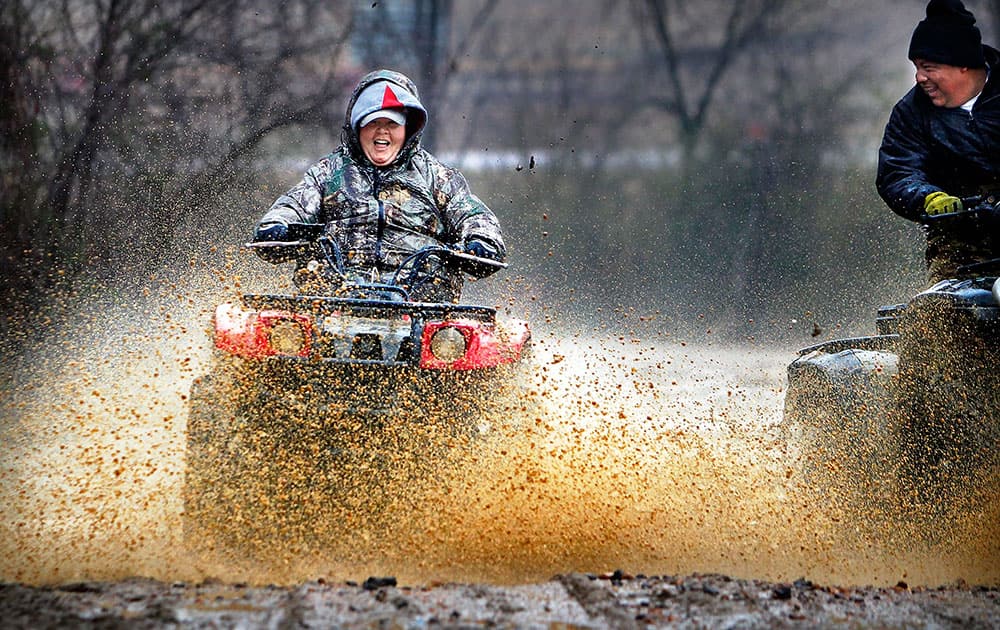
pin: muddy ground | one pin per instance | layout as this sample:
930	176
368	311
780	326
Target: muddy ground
639	454
567	601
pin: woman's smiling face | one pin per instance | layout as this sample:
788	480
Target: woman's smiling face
382	140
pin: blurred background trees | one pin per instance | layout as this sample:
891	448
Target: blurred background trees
682	156
124	118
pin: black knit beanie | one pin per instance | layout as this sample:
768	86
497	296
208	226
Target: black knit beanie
948	35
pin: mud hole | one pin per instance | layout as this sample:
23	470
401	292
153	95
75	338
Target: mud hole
627	455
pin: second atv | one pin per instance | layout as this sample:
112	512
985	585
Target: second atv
920	399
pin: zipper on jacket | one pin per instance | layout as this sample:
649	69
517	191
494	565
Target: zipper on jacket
380	225
379	231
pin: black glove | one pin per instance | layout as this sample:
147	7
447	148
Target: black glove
273	232
479	248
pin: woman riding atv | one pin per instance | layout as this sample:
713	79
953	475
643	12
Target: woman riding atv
382	197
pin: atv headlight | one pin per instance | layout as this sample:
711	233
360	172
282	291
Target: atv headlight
287	337
448	344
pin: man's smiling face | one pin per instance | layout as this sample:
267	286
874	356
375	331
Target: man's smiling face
382	140
946	86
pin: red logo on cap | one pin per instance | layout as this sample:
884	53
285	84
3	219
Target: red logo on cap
389	99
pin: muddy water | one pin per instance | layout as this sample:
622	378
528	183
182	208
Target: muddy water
637	453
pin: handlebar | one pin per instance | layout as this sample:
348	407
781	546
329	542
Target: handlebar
974	207
465	262
278	244
990	267
460	255
307	239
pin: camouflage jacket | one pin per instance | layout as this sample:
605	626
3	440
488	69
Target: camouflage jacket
378	216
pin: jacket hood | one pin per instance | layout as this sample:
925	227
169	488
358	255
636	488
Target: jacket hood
390	89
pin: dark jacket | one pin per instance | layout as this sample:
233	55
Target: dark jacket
928	148
381	215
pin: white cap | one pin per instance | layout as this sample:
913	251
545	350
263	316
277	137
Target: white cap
395	115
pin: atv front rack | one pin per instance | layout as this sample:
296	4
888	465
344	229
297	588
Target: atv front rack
324	305
323	330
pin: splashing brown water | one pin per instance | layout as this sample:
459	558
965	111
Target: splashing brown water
640	454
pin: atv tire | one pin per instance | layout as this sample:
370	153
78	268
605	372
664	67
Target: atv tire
948	401
290	469
835	416
207	461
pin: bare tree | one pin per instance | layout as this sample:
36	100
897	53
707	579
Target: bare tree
138	113
20	105
990	21
697	43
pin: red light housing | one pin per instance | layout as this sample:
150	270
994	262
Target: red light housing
259	334
485	346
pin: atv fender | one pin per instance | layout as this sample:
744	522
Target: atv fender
837	405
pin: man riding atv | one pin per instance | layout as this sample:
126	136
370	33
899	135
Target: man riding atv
383	198
942	141
942	146
923	394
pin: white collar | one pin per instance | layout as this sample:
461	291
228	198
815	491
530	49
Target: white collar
967	105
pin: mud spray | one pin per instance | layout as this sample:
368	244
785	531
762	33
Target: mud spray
620	451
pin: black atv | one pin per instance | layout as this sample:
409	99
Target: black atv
920	398
316	400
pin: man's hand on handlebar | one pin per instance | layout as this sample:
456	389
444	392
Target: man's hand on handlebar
940	202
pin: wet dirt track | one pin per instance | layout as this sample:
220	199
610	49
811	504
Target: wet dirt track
635	453
566	601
